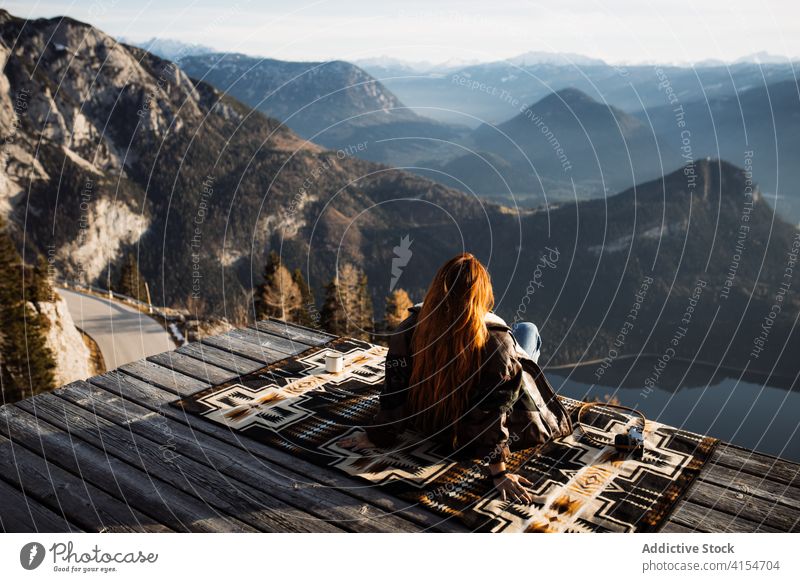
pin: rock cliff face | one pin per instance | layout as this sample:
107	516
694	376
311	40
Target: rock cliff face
71	355
59	146
110	226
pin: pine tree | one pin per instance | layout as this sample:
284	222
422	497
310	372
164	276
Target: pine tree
333	316
270	268
273	262
131	282
26	360
306	315
347	310
279	296
39	287
365	314
397	304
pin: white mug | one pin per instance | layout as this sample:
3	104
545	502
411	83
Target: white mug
334	362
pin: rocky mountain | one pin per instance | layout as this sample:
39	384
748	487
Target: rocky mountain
334	103
308	96
107	148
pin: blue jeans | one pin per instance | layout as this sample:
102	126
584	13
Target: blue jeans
527	336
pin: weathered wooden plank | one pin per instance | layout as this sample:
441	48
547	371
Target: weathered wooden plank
673	527
150	496
773	468
88	507
243	348
293	332
157	399
746	483
220	358
226	495
270	341
315	331
272	481
744	505
21	514
703	520
192	367
171	380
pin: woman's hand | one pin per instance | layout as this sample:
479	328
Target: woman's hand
359	440
512	486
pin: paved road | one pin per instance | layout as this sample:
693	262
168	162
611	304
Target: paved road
123	333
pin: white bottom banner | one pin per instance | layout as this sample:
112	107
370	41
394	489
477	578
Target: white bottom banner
388	557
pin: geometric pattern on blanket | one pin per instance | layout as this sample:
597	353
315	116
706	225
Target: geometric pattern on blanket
578	486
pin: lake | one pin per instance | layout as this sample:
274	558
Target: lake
754	412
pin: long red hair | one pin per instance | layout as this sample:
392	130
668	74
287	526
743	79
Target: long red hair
448	338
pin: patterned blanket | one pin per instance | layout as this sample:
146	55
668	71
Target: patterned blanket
578	486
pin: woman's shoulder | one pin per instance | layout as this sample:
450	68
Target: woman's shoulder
496	323
500	334
501	356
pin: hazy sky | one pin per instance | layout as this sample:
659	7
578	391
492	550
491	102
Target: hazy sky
439	30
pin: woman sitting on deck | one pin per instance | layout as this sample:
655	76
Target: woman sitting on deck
459	374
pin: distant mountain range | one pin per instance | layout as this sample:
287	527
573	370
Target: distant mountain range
764	58
550	58
108	148
377	66
567	143
333	103
380	67
493	91
168	48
